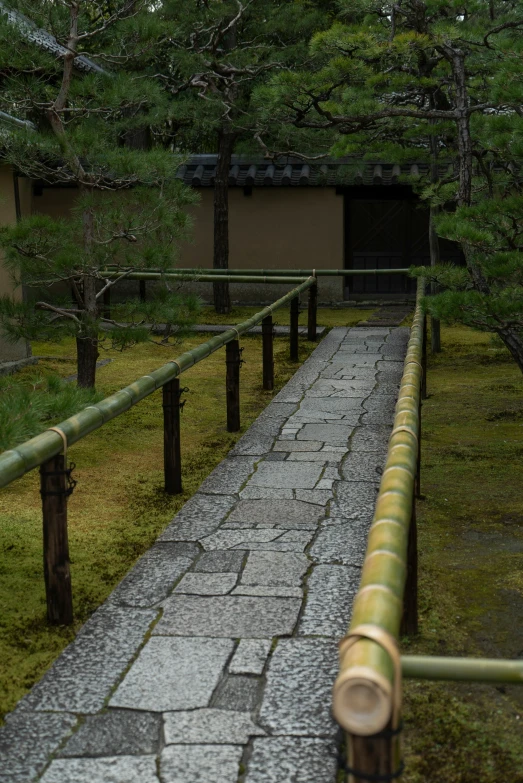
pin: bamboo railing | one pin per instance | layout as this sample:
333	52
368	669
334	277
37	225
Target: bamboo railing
239	275
367	691
45	450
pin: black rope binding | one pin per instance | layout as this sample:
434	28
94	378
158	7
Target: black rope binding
71	482
374	778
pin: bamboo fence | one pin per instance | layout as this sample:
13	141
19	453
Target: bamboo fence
29	455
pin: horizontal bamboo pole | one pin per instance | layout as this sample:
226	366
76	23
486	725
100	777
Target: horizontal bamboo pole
29	455
206	278
271	272
363	691
422	667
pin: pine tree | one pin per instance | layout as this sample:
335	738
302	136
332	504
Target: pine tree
415	80
91	112
213	59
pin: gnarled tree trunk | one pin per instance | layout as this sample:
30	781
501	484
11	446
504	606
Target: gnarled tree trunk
222	300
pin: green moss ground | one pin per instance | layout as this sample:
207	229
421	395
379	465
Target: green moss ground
471	558
327	316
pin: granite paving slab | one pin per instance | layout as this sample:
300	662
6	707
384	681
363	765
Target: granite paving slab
173	674
200	516
344	543
292	759
154	575
228	616
84	675
131	769
116	733
299	682
214	658
330	593
280	513
27	741
250	656
209	727
238	693
191	763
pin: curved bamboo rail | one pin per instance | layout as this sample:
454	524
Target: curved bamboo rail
29	455
364	691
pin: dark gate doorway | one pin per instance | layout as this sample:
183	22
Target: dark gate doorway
385	228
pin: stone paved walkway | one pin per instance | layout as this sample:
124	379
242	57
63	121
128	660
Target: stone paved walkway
214	659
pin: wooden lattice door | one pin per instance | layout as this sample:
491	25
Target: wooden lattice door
385	234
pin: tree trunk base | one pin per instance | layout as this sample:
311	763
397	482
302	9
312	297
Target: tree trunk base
222	298
514	342
87	355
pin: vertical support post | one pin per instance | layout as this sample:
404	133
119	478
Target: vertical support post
172	455
435	335
232	385
57	575
267	353
107	303
417	481
295	312
371	756
312	313
409	621
143	291
424	361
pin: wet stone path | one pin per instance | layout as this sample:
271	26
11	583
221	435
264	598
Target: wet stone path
214	659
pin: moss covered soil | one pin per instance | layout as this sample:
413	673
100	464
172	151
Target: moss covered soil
326	316
471	564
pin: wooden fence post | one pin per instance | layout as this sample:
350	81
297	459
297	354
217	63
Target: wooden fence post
267	353
376	757
313	311
295	312
409	621
143	291
417	480
172	455
232	385
54	491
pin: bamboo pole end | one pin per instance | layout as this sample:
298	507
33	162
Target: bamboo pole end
362	701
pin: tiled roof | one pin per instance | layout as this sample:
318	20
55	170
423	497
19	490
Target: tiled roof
200	170
31	32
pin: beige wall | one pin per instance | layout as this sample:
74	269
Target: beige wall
274	228
19	350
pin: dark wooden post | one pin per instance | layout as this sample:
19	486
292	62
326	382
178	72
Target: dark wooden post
57	575
232	385
313	311
267	353
295	312
374	757
424	361
107	303
409	621
143	292
417	482
172	455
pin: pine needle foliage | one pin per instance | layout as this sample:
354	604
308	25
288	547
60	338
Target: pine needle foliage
435	82
94	118
32	402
